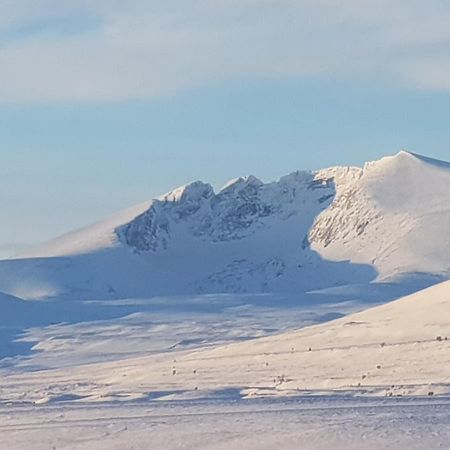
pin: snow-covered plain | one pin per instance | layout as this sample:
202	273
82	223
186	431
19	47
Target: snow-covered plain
263	305
301	423
377	379
400	348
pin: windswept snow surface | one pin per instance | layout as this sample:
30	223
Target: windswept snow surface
315	389
401	348
306	424
387	221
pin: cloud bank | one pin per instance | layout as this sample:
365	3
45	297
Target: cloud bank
110	50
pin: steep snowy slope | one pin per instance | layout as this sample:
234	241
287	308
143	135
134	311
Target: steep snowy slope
310	230
396	217
400	348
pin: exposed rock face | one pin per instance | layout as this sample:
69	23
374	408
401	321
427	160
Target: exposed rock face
237	211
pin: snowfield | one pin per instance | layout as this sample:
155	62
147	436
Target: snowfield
398	349
304	423
311	312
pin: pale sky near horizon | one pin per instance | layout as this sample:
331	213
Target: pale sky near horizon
105	103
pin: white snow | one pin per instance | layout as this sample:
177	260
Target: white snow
306	424
395	217
386	222
240	394
205	320
400	348
88	239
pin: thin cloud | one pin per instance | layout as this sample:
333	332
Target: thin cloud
143	49
7	250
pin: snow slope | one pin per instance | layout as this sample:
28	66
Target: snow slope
400	348
395	218
387	221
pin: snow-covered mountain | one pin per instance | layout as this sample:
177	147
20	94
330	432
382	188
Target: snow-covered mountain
387	221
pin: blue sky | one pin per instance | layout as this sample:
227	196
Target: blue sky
103	106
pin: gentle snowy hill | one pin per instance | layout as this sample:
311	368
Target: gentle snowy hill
401	348
387	222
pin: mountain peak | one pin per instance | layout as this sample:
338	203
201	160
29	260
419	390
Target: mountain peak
399	157
241	182
410	156
189	192
405	160
405	154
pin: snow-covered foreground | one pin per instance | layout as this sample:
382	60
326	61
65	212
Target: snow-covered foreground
110	383
301	423
397	349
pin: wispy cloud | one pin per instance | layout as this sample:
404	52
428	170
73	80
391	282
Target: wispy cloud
98	50
7	250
